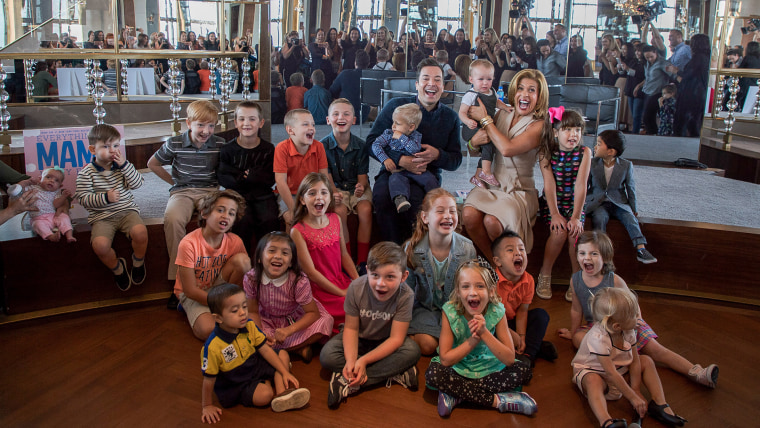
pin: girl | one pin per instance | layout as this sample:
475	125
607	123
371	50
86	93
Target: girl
321	249
279	298
433	254
594	253
607	352
565	164
477	357
51	220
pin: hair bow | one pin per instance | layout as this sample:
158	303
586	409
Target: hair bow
556	113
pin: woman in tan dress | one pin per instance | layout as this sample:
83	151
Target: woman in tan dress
516	134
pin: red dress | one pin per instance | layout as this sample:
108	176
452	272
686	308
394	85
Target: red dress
324	248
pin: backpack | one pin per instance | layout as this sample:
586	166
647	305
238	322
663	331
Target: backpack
192	82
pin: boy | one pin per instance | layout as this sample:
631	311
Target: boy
295	92
245	165
348	162
515	287
373	347
612	191
667	112
404	139
103	188
194	157
166	81
294	158
237	363
317	99
383	62
442	58
209	256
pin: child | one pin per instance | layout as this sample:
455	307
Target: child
194	157
237	363
245	165
279	297
294	93
481	77
432	278
477	357
667	112
317	99
209	256
51	220
442	58
607	352
564	163
348	161
373	347
594	252
612	191
104	189
294	158
515	287
383	62
404	140
321	249
166	81
204	73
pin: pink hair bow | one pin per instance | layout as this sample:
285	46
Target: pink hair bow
556	113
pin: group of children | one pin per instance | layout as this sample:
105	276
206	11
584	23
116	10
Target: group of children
429	296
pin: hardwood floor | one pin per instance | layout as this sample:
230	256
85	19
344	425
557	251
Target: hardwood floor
139	366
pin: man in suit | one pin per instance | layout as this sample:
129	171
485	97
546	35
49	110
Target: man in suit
612	191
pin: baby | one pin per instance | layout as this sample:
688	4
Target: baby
402	140
52	220
481	77
667	112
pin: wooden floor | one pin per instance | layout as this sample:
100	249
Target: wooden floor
140	366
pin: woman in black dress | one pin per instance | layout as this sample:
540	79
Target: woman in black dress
577	58
692	88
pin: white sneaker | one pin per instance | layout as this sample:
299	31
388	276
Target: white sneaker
707	376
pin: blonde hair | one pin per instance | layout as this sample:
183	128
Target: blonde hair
290	117
542	103
341	101
311	180
202	111
420	228
614	305
493	296
483	63
411	113
47	172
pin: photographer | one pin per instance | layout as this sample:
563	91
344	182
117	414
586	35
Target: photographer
292	55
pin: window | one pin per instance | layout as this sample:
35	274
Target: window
544	15
369	13
201	17
275	24
449	12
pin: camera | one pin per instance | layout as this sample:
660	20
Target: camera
520	8
754	25
294	41
652	10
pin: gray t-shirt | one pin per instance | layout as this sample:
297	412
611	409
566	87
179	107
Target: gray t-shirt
376	317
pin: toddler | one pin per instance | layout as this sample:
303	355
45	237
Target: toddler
295	92
52	219
667	112
481	77
404	140
383	62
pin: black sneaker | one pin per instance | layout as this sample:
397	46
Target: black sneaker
339	390
547	351
402	204
172	303
123	281
138	274
644	256
407	379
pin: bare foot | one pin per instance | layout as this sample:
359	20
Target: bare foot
55	237
70	237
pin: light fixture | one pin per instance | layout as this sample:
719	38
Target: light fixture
629	7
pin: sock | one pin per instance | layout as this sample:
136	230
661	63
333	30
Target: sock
137	262
118	270
362	250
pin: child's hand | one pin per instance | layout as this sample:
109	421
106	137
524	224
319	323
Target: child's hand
640	405
520	344
211	415
271	341
288	378
66	192
389	164
119	159
113	195
359	190
338	197
558	223
397	135
565	334
574	227
280	335
246	172
359	373
477	325
470	123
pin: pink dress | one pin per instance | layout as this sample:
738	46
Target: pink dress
280	305
324	248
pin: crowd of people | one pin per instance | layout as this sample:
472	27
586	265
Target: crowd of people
271	269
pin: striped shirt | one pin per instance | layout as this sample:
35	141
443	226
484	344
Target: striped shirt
191	166
94	182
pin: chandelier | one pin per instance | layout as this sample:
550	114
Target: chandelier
629	7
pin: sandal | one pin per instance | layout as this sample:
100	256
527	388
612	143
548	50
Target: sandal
658	412
474	180
614	423
488	178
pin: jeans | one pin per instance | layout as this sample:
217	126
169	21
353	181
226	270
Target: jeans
407	355
399	182
601	216
395	226
538	320
636	106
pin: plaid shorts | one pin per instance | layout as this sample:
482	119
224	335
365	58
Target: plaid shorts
644	334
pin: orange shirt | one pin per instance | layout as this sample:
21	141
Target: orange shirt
205	80
255	80
294	97
195	253
287	160
513	295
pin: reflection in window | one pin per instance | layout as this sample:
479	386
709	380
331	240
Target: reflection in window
367	15
275	23
449	12
544	15
200	18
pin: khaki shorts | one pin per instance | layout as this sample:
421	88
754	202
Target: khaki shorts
195	309
578	378
351	201
123	221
